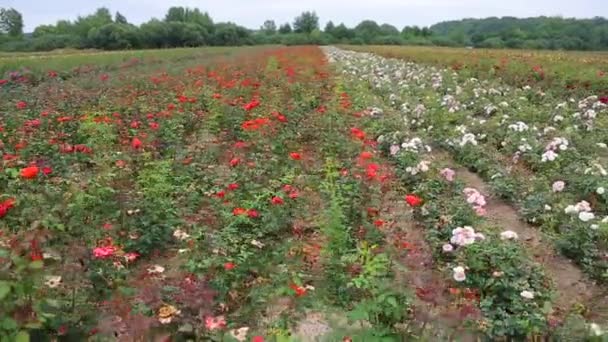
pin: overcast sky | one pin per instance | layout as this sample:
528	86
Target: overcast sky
252	13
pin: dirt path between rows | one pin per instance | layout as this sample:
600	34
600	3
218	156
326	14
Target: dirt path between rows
573	287
433	311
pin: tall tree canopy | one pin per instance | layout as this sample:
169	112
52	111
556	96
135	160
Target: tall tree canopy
306	22
11	22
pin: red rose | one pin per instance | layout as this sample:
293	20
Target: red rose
30	172
413	200
253	213
239	211
276	200
136	143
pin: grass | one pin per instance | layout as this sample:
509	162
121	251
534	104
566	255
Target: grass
66	60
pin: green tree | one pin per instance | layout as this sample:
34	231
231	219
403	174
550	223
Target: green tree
367	30
154	34
341	32
184	34
269	27
329	28
83	25
229	34
188	15
388	30
306	22
44	30
114	36
11	22
285	28
120	19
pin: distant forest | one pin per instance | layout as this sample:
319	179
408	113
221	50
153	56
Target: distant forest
183	27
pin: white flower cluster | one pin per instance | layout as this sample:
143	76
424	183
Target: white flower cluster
583	209
468	138
557	144
415	145
464	236
519	126
451	103
422	167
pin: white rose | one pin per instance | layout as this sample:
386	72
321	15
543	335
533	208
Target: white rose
586	216
558	186
600	190
527	294
508	235
459	274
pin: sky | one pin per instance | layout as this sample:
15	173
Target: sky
252	13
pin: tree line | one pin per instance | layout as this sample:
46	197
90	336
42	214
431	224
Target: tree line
186	27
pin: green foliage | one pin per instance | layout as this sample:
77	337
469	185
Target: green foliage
114	36
306	22
285	28
269	27
11	22
537	33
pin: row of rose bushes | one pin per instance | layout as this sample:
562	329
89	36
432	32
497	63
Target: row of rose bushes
545	154
104	182
503	289
188	201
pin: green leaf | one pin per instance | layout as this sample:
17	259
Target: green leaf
22	336
5	289
36	265
392	301
358	314
127	291
13	173
34	325
8	323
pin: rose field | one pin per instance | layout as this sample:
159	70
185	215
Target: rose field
304	193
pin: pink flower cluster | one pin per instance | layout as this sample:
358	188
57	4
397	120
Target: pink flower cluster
104	252
476	199
448	174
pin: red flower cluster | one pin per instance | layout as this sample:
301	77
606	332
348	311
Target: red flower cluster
372	170
5	206
252	213
21	105
280	117
136	144
184	99
234	162
276	200
251	105
413	200
291	191
299	290
30	172
357	133
255	124
295	156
